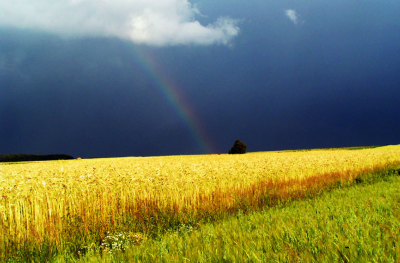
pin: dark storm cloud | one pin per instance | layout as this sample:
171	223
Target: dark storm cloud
89	97
331	82
328	83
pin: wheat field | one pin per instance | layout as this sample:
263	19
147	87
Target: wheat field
353	224
55	202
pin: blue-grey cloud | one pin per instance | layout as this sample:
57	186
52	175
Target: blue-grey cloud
152	22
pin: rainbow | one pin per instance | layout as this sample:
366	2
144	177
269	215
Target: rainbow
177	101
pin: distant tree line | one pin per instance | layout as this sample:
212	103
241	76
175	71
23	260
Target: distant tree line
18	157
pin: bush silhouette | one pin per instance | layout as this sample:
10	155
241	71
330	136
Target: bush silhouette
238	148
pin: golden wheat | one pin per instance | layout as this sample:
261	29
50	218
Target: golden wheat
35	198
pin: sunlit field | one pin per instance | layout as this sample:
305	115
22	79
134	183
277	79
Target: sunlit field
53	207
358	224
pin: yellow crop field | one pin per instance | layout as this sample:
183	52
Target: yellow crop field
45	202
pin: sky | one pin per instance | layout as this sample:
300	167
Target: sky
114	78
